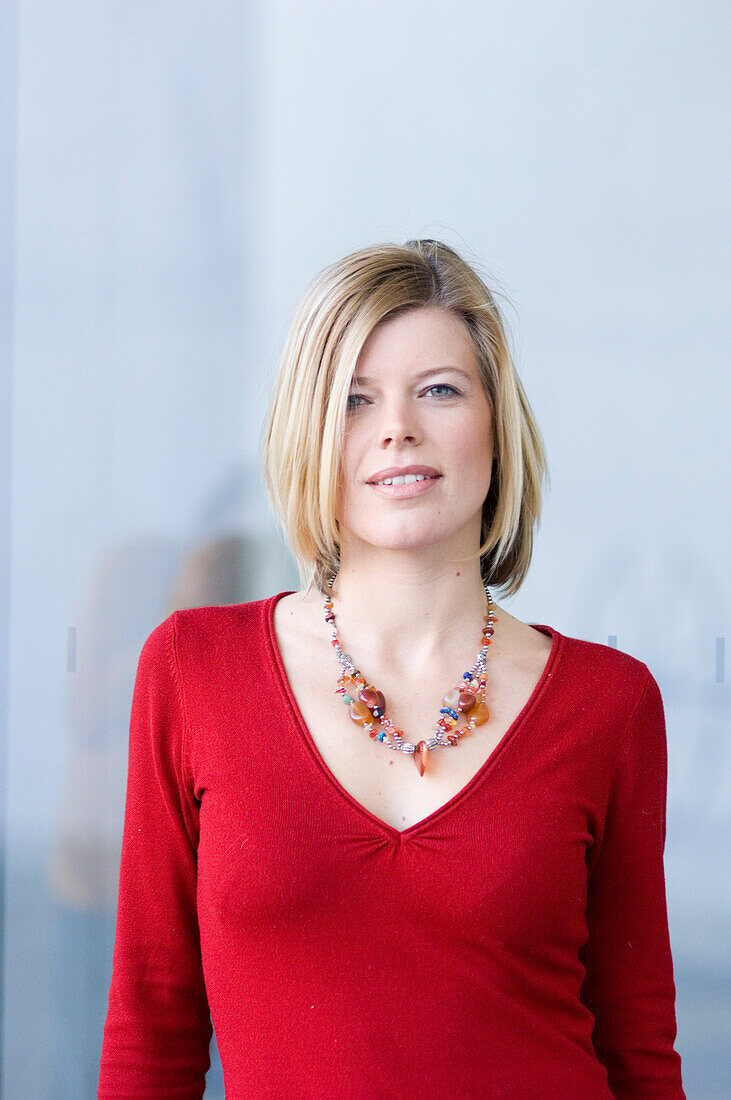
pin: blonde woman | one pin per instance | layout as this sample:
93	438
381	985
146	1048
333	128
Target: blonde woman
390	839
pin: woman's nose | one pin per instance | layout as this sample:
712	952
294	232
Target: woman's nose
399	424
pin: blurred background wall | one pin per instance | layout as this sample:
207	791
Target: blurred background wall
172	176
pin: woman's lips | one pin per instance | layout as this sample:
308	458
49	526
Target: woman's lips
404	492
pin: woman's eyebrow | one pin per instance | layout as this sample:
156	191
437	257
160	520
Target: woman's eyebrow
362	380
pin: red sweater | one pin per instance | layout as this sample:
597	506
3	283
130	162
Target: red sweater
514	943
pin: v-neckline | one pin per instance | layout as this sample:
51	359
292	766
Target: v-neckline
487	765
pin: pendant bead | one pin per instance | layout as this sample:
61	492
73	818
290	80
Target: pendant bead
421	754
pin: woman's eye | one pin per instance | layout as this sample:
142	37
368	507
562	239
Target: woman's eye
442	385
440	391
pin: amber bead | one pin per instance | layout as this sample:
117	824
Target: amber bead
359	713
479	714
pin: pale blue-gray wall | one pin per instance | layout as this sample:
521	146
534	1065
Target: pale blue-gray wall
173	174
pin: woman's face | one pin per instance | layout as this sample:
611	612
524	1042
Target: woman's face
416	407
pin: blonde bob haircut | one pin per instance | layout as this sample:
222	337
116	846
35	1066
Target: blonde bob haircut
304	428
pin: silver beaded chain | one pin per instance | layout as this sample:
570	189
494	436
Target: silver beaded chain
438	738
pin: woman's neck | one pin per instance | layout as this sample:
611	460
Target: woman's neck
402	612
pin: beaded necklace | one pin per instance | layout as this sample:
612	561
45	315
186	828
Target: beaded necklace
368	705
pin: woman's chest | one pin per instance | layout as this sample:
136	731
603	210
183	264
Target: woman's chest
301	812
282	843
385	781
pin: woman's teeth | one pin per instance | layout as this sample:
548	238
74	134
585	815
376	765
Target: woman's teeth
407	479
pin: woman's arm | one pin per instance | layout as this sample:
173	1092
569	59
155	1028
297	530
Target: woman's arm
629	974
158	1027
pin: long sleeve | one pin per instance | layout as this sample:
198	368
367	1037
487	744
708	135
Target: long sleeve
158	1028
629	980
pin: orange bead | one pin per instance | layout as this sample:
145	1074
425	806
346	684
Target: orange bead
479	715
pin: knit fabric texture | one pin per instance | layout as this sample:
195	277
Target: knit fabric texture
514	943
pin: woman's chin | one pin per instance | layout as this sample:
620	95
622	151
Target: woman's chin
411	542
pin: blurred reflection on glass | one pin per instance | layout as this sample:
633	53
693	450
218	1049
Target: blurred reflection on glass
133	588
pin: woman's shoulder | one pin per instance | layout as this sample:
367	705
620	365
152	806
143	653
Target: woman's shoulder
212	630
596	671
219	615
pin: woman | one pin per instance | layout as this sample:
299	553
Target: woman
397	841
